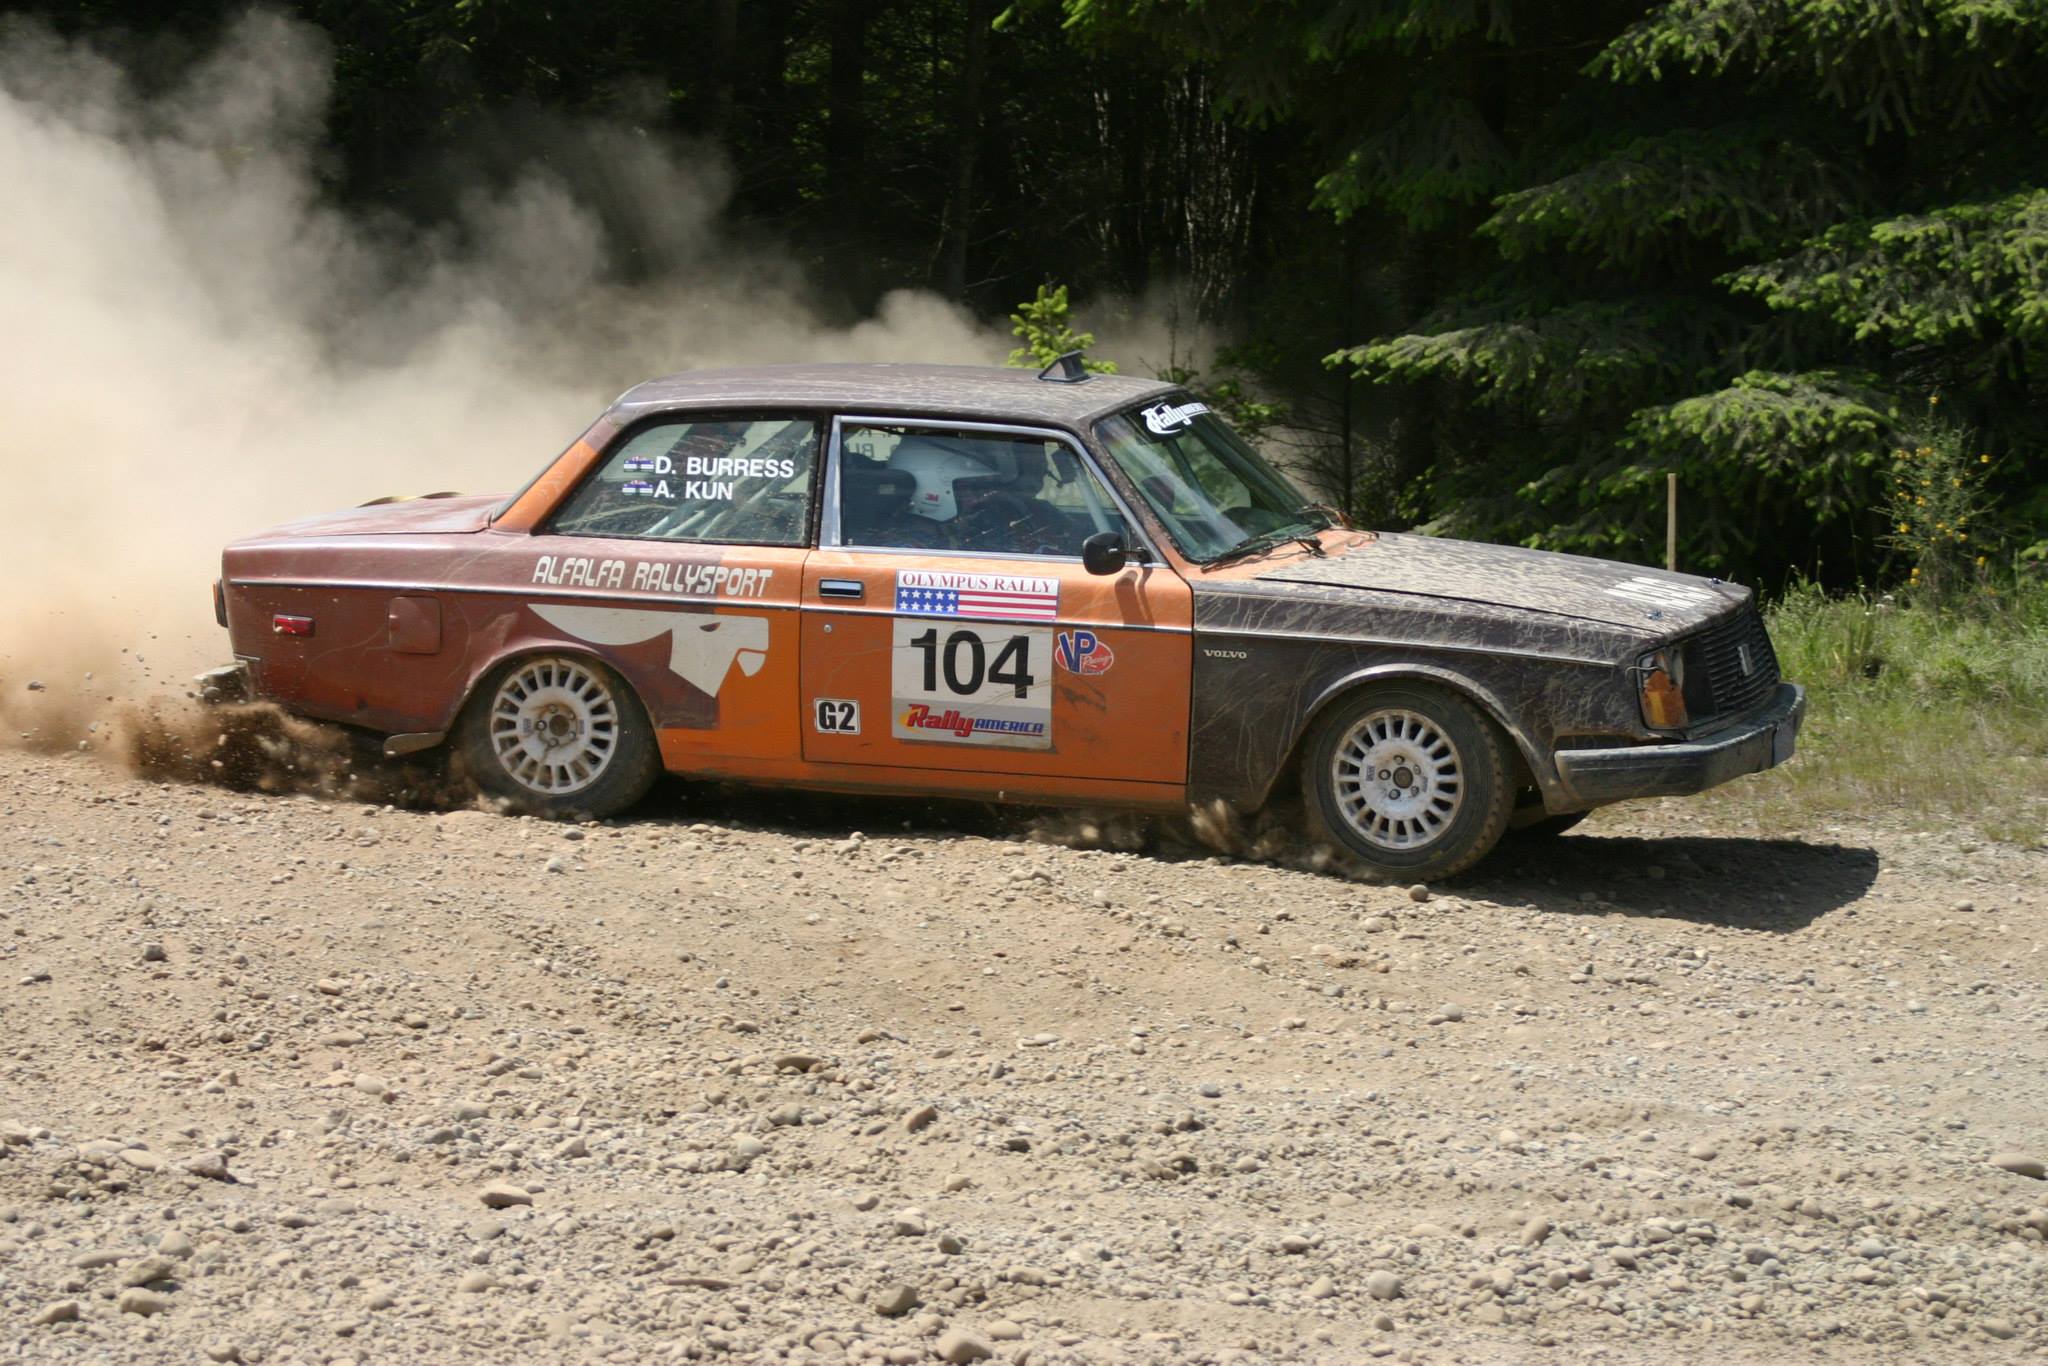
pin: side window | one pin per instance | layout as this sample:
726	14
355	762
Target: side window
928	488
742	480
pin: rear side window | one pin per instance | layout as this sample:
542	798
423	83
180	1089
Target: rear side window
730	479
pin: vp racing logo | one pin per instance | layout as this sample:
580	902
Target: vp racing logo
1082	652
702	648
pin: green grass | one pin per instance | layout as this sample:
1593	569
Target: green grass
1915	713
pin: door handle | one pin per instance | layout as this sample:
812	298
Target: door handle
840	588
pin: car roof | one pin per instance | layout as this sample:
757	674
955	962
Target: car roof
985	393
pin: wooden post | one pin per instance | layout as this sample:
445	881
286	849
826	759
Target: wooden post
1671	521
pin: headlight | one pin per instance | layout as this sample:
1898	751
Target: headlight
1660	678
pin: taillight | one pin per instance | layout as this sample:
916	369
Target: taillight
283	625
220	603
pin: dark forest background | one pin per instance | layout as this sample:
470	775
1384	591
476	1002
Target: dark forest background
1501	265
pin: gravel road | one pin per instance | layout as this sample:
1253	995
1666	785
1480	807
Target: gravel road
294	1080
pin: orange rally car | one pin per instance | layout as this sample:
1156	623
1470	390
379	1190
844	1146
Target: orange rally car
1055	588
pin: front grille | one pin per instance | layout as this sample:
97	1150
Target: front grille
1716	684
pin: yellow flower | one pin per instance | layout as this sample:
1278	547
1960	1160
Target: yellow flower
1904	527
1980	561
1957	482
1919	502
1962	535
1983	459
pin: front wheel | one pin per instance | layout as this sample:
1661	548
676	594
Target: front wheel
559	736
1409	779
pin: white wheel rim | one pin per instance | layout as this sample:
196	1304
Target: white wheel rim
554	726
1398	779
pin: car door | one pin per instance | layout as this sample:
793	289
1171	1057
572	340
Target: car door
677	559
949	625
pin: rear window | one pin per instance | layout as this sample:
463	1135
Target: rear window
741	480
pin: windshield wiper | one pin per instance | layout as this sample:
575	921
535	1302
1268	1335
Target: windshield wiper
1250	545
1265	540
1329	514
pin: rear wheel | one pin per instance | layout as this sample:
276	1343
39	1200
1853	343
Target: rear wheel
1409	779
559	736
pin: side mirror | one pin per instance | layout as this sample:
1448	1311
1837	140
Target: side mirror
1104	552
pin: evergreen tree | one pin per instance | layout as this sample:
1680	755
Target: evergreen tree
1734	238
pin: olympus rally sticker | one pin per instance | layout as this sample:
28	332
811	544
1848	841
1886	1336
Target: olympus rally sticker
1008	597
653	576
1164	419
1662	593
971	683
702	649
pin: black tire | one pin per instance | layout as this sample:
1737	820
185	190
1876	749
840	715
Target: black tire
612	764
1462	792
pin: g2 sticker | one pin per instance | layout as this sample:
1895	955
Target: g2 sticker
835	716
1083	652
971	683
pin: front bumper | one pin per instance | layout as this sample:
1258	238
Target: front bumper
1594	777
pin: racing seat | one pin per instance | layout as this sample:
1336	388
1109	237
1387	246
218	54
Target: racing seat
874	507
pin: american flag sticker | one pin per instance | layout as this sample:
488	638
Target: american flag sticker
634	487
639	464
990	597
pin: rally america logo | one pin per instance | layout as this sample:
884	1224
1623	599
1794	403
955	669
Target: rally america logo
921	716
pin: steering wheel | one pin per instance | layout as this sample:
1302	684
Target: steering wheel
1002	516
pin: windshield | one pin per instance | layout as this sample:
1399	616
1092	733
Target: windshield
1214	493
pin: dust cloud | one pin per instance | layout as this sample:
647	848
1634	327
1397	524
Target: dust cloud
199	345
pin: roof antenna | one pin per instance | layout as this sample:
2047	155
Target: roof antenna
1071	371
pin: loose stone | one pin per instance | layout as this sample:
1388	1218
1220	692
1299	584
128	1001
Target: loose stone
894	1300
147	1303
957	1345
504	1195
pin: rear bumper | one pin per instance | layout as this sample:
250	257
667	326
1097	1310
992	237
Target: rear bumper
1594	777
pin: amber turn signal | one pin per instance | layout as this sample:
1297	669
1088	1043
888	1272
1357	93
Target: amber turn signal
1663	699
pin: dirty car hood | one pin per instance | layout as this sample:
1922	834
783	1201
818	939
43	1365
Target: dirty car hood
1532	580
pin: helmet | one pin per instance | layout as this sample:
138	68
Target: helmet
937	467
